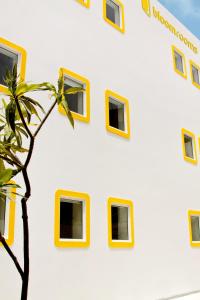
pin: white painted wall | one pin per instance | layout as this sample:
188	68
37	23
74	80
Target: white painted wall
149	168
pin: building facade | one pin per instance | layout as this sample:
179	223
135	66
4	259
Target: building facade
114	212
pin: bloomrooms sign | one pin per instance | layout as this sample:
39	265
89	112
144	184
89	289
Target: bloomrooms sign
156	14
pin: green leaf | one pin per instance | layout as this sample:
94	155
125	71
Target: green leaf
34	102
68	112
60	84
18	139
25	112
2	167
10	185
31	108
4	103
22	130
10	115
19	149
73	90
49	86
5	175
24	88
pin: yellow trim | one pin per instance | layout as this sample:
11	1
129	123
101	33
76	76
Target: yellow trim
192	213
18	50
86	117
190	134
198	68
146	7
121	28
120	244
11	224
199	144
175	49
70	243
125	134
85	3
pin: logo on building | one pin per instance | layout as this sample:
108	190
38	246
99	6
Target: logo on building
171	28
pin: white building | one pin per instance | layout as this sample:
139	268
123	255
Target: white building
127	177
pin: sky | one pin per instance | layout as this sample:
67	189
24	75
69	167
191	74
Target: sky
187	12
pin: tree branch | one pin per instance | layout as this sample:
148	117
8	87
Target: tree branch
45	118
12	256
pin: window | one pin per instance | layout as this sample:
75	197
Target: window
75	101
79	103
113	12
72	219
179	62
195	74
2	214
85	3
146	7
117	114
10	54
189	146
194	228
120	223
7	216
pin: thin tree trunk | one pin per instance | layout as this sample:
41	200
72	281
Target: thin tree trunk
25	281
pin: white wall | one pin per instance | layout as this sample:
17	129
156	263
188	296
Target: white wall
149	168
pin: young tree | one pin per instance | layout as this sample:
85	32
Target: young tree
15	126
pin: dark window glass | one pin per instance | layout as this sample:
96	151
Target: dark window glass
119	217
116	114
179	62
195	74
2	214
188	146
75	101
112	12
7	62
195	228
71	219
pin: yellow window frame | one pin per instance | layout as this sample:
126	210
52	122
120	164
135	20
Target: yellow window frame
121	28
22	55
146	7
175	49
62	243
125	203
192	213
110	94
192	135
82	80
85	3
193	64
11	220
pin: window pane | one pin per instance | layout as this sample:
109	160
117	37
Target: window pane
7	62
113	12
188	146
195	228
2	214
195	74
75	101
116	114
119	222
71	219
179	62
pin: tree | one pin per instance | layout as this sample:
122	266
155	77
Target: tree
15	126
